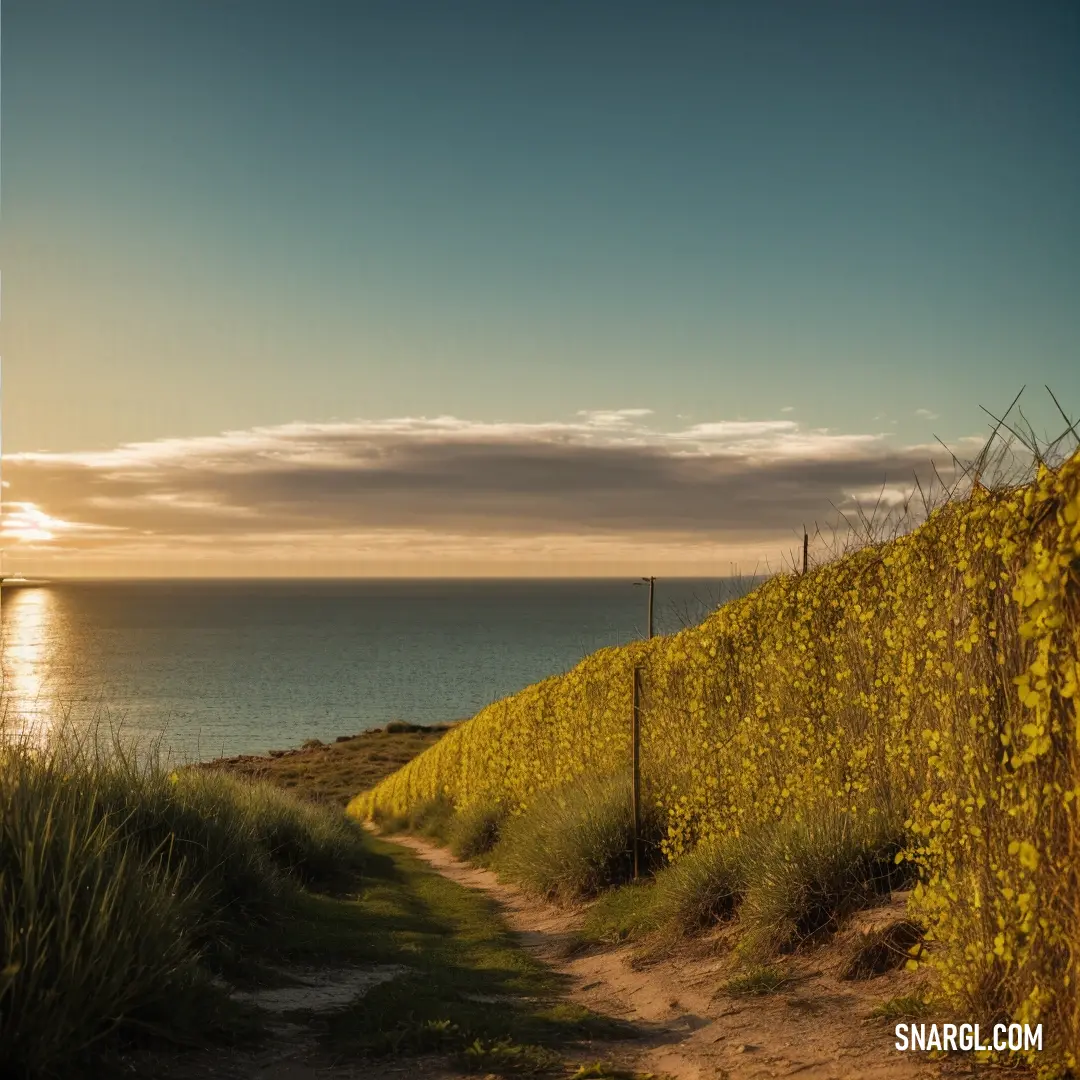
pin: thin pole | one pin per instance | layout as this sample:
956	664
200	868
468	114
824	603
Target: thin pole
805	548
651	581
637	772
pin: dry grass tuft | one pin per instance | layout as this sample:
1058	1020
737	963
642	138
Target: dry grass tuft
875	952
575	841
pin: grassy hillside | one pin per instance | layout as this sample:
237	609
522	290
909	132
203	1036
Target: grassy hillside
335	772
134	899
916	698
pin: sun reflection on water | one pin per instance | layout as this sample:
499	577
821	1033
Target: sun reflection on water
27	620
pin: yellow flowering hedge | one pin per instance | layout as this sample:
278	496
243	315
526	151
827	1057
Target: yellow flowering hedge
936	673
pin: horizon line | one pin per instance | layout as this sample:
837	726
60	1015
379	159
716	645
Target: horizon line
74	579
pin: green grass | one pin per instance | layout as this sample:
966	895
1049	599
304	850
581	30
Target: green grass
506	1056
470	990
124	886
90	929
804	877
906	1007
574	842
703	887
473	832
431	819
756	982
788	885
623	914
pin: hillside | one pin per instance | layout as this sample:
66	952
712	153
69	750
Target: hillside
908	706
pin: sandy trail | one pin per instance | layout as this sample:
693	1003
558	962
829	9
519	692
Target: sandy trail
816	1030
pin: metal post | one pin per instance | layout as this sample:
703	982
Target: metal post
805	548
637	772
651	582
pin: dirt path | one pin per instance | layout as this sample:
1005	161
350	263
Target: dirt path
816	1030
292	1051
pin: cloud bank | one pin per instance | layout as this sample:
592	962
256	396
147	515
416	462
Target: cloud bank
365	496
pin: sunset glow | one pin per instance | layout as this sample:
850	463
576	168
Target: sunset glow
599	495
26	522
379	295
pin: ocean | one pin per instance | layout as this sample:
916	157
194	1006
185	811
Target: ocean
241	667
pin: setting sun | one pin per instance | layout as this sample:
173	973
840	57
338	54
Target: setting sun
23	521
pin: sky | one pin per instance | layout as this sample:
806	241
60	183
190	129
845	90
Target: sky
531	288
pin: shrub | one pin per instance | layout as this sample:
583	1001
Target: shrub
575	841
475	831
804	877
702	888
432	818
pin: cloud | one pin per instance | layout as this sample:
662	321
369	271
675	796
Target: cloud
926	414
604	479
24	521
788	408
887	496
613	417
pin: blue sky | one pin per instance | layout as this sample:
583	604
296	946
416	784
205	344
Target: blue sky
222	217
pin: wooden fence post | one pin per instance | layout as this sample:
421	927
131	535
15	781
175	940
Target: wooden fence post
637	772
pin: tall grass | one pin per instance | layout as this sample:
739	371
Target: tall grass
577	840
783	885
123	883
474	832
803	877
704	887
91	929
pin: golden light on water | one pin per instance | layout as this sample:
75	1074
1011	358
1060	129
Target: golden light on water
27	617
